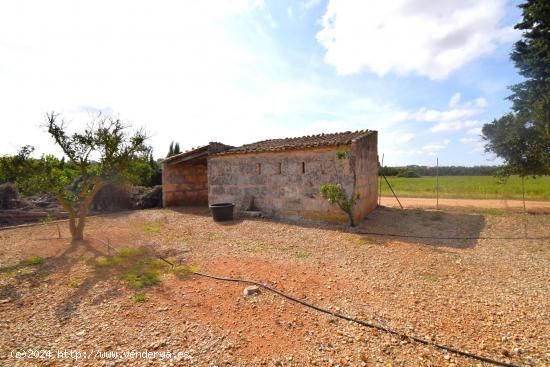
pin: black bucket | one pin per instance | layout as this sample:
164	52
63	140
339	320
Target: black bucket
222	212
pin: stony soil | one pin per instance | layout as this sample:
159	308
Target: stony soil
490	297
509	205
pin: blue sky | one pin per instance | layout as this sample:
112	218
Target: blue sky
425	74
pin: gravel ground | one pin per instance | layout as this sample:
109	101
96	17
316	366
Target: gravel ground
490	297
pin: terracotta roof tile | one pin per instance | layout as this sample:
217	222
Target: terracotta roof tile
303	142
210	148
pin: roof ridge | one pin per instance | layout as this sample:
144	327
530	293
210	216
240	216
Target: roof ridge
300	142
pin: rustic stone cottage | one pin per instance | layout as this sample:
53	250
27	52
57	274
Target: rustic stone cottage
278	177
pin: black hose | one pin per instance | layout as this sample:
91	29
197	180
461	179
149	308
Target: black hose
361	322
338	315
447	237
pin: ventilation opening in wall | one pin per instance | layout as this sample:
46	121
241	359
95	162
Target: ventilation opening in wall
303	167
259	168
280	169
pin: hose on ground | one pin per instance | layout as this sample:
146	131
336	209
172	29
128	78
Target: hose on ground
336	314
372	233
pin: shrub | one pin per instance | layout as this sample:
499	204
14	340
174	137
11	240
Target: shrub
409	174
140	297
33	261
336	194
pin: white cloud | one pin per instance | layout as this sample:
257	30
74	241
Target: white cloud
458	117
181	68
406	138
308	4
453	125
433	149
454	100
423	37
474	144
474	131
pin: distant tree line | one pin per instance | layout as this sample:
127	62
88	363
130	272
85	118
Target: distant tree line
416	171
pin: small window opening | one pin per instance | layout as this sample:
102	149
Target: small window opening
280	169
259	168
303	167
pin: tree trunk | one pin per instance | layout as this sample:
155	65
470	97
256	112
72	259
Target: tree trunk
77	219
72	226
351	221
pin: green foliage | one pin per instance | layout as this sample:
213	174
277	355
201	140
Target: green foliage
74	184
341	154
47	219
409	174
140	297
138	279
519	142
13	269
522	137
301	254
336	194
33	261
442	170
152	227
183	271
136	266
173	149
73	282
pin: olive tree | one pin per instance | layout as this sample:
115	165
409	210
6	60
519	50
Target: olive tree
102	153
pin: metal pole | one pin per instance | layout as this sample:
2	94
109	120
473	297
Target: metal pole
523	190
437	183
393	192
380	182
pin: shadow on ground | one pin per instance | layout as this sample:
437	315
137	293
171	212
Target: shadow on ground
433	228
384	225
28	277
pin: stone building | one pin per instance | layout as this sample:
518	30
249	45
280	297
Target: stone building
280	177
185	177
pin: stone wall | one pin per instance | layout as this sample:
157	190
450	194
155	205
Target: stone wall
185	183
286	183
366	170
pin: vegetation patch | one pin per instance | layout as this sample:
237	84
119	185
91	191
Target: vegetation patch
140	297
301	254
47	219
361	240
33	261
430	277
152	227
183	271
436	216
211	236
493	211
11	270
74	282
136	266
267	247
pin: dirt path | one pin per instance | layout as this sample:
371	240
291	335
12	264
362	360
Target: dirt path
538	206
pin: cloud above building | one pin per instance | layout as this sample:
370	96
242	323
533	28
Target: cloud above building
418	37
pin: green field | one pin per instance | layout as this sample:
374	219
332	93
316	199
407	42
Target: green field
469	187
